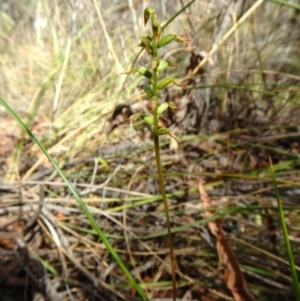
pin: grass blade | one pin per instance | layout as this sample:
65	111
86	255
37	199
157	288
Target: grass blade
285	235
286	3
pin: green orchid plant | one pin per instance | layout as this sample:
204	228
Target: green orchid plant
152	45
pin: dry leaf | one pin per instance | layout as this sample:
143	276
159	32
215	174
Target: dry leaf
233	275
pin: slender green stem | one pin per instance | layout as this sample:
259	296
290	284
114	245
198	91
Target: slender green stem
159	171
166	209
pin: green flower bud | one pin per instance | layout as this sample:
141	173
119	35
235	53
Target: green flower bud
148	119
164	82
156	29
165	40
162	108
171	37
153	103
134	117
148	13
145	72
154	64
162	131
147	44
147	89
164	64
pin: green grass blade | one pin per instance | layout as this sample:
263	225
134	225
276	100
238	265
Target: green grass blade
80	202
285	235
286	3
49	267
178	13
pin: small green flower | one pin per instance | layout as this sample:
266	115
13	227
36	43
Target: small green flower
156	29
147	44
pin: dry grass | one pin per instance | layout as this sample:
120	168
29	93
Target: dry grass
61	70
